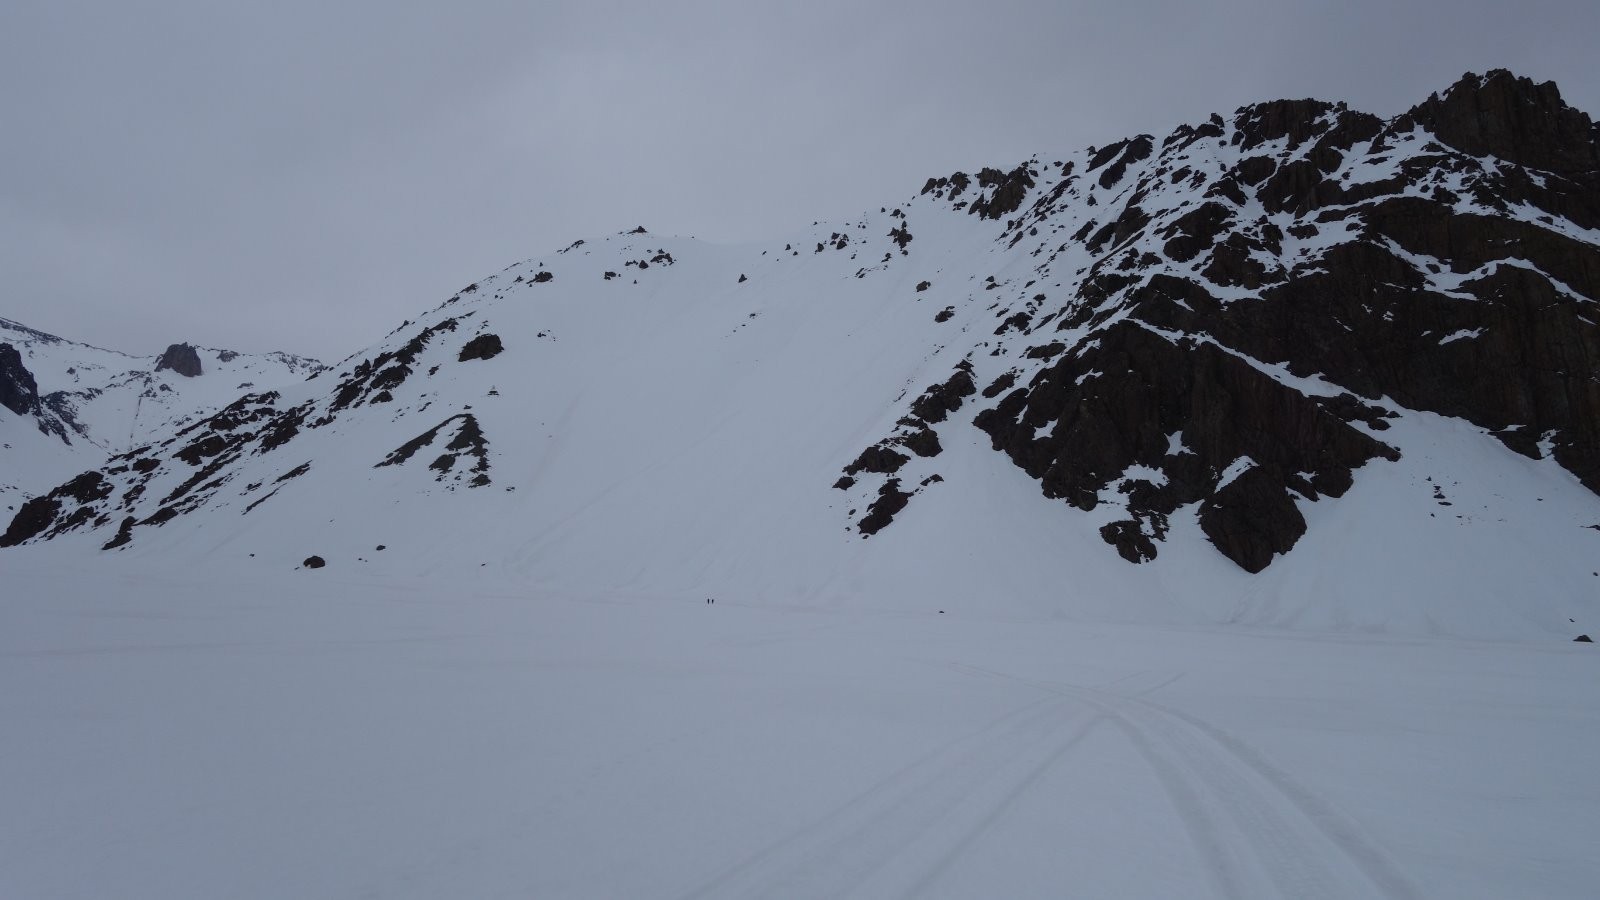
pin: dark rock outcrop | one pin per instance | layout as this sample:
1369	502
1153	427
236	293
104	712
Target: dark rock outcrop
31	520
18	390
1252	519
879	459
183	359
940	400
484	346
43	515
1448	284
1009	189
1499	114
386	370
914	432
468	440
1120	156
1139	401
891	500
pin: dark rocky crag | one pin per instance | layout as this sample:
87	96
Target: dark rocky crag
1437	262
1189	411
18	390
19	393
183	359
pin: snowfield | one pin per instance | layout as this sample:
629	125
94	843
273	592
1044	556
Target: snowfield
325	734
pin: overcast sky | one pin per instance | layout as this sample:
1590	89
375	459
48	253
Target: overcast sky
304	175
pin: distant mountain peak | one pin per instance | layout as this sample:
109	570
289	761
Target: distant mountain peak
1514	119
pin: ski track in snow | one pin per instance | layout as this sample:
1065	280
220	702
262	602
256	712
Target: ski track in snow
1258	831
312	737
840	854
1219	785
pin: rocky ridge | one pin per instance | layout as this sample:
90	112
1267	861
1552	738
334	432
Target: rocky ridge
1254	298
1221	323
87	401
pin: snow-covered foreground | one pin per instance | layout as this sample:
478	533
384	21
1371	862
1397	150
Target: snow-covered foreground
315	734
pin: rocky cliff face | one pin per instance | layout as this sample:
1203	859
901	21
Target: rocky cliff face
1444	261
18	391
1218	326
183	359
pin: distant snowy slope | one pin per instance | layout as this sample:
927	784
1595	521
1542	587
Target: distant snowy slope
92	401
1299	367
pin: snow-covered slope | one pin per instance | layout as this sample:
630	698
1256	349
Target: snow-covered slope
1299	367
89	402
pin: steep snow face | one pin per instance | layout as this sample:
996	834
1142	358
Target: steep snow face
1300	367
92	401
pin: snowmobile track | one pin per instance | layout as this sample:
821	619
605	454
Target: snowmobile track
1260	832
970	781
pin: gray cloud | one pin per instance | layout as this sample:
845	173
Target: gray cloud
302	176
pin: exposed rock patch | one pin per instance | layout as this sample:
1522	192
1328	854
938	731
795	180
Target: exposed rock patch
1006	191
183	359
467	441
19	392
484	346
31	520
1515	119
891	500
1084	423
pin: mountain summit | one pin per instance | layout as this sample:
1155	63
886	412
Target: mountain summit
1295	364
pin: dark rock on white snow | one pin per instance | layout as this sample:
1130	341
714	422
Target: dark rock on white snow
183	359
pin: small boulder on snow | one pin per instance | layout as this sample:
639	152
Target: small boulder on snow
484	346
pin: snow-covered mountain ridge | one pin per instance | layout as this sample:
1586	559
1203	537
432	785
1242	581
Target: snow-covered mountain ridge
64	405
1300	365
